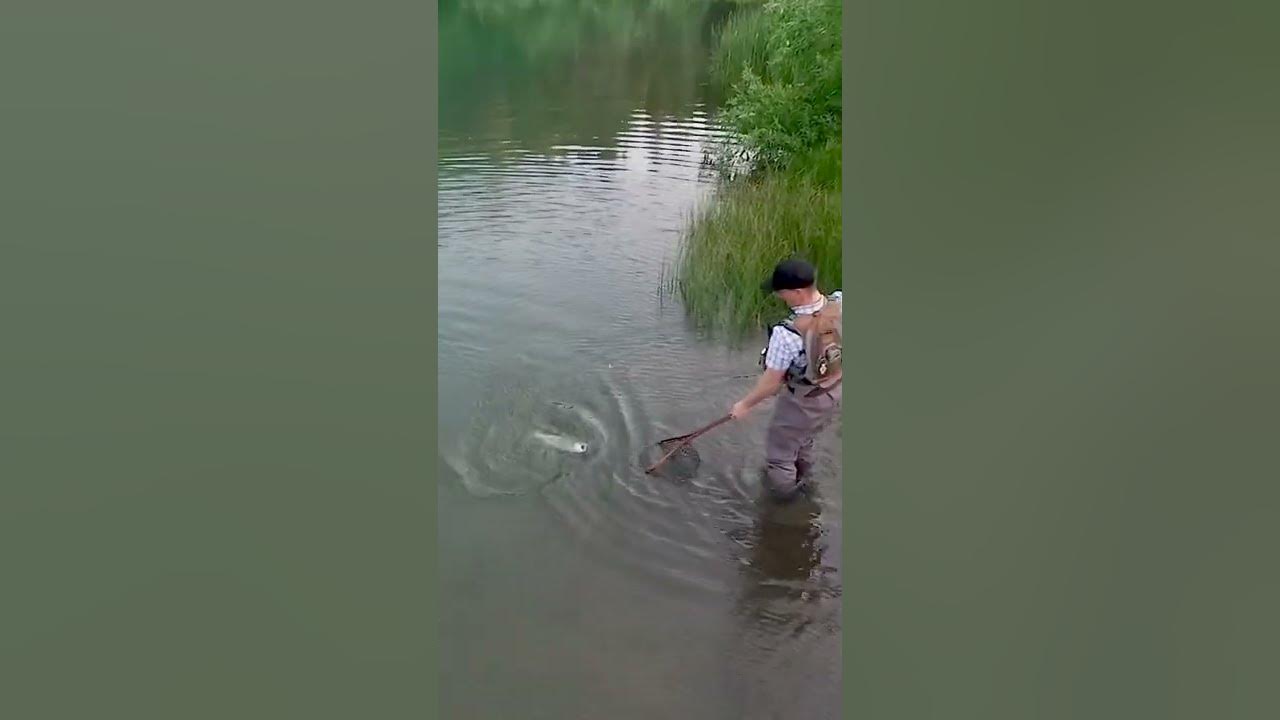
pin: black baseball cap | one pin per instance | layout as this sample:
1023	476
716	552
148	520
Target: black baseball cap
790	275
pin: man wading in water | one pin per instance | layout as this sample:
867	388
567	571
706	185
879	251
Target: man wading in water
803	356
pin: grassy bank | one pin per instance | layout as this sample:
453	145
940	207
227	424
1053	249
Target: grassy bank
732	244
778	64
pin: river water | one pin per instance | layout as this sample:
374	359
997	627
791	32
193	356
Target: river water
572	137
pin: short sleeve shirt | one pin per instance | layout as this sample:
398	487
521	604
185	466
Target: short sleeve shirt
787	348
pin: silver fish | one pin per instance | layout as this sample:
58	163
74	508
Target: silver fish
559	442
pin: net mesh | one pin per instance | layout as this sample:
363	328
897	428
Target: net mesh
682	465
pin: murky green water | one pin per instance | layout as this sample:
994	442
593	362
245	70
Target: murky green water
572	136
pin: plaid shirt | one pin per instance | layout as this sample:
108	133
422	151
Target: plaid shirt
787	348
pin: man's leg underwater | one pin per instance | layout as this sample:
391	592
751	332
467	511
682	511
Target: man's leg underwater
804	460
789	447
788	433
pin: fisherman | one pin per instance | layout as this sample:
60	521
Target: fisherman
803	356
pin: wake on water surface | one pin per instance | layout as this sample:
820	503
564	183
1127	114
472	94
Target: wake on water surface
678	531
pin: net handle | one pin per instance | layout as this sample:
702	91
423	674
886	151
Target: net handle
683	440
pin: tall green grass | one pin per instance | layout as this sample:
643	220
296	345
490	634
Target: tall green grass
732	244
740	44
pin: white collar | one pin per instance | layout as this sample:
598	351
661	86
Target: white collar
811	308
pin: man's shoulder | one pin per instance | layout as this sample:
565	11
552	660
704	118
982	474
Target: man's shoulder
784	331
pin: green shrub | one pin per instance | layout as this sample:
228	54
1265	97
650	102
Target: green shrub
786	99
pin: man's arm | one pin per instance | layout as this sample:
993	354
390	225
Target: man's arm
784	346
767	386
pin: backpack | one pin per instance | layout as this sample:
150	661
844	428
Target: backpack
822	333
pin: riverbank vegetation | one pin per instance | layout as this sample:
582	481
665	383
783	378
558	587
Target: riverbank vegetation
778	65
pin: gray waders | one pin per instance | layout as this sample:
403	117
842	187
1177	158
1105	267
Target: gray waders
799	416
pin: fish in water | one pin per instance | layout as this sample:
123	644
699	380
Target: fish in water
559	404
560	442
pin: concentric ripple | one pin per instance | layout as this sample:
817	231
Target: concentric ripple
510	449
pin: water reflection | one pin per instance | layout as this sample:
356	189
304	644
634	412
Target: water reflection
783	565
786	656
527	71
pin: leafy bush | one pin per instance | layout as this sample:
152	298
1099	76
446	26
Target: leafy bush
786	100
